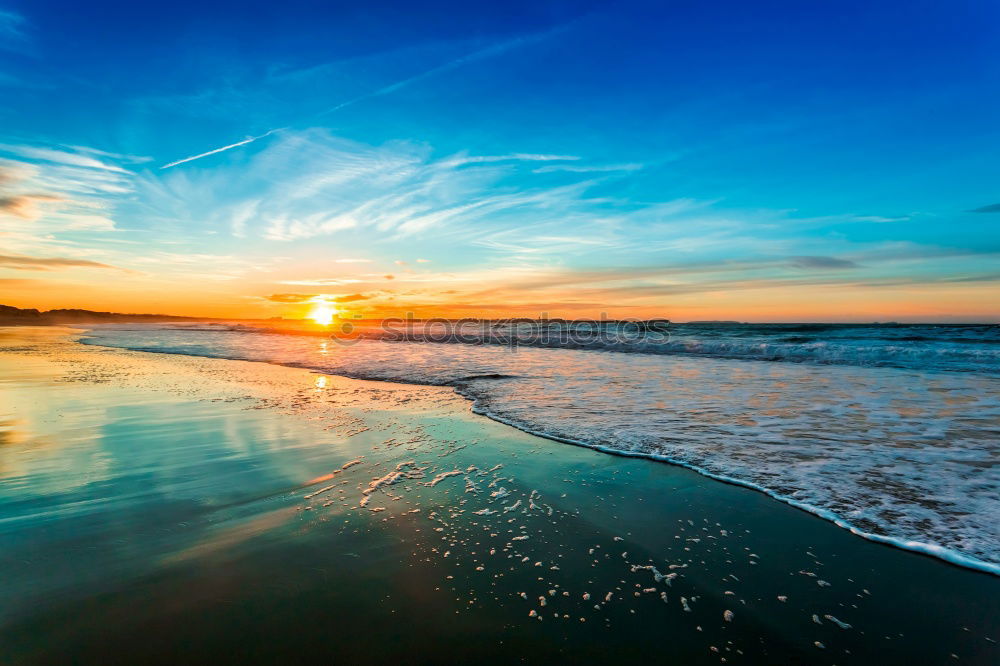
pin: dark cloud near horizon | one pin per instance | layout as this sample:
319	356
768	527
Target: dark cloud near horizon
992	208
290	298
304	298
822	262
350	298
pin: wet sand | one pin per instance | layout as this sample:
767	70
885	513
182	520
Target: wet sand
166	509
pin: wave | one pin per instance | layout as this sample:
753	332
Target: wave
934	355
931	550
957	348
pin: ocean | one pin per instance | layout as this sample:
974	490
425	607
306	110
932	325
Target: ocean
889	430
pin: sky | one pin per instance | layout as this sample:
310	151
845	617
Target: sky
765	161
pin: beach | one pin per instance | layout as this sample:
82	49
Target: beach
165	508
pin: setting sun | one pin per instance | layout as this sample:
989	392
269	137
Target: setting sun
323	314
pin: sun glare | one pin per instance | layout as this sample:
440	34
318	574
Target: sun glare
323	314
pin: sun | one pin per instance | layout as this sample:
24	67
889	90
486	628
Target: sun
323	314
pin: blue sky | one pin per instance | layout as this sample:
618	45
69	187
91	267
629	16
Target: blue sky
741	160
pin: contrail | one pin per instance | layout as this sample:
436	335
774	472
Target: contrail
496	49
219	150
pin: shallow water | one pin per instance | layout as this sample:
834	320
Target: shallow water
158	509
907	454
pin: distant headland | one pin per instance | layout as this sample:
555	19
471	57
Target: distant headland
11	316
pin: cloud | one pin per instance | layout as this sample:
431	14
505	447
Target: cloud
308	298
291	298
11	172
401	199
992	208
487	52
320	282
81	185
481	54
582	168
461	160
51	263
305	184
134	159
13	34
25	205
350	298
821	262
59	157
880	219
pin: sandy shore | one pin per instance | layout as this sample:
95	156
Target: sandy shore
165	509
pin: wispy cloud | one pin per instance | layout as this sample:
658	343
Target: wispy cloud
481	54
13	31
474	56
51	263
62	187
59	157
321	282
309	183
592	168
25	206
532	237
460	160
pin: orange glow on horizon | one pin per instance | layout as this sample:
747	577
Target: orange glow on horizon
238	299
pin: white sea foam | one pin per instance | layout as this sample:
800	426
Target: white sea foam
404	470
442	476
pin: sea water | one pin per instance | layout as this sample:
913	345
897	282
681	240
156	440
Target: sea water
892	431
